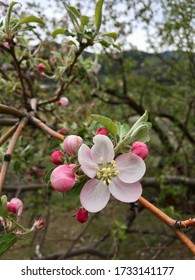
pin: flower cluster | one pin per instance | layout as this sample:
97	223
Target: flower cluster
101	169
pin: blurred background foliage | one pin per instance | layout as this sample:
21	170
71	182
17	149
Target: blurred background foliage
119	84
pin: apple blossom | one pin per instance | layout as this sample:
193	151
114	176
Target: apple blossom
72	144
102	130
109	175
82	215
63	101
62	178
39	224
57	157
140	149
15	205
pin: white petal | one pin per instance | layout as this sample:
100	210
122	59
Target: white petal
131	167
103	149
88	166
125	192
94	195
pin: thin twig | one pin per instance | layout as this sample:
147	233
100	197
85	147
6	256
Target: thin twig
10	149
170	222
8	134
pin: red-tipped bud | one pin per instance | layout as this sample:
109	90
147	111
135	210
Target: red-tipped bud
62	178
63	101
38	224
41	67
102	130
64	131
72	144
57	157
15	206
82	215
140	149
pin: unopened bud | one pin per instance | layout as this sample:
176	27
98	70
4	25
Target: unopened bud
140	149
41	67
102	131
63	101
57	157
62	178
82	215
15	206
72	144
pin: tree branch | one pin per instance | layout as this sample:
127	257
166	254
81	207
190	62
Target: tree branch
173	224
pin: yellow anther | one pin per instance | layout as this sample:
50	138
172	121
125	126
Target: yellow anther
116	172
101	159
98	174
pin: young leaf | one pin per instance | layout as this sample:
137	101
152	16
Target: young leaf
57	32
72	16
98	15
30	19
106	122
113	35
6	241
8	16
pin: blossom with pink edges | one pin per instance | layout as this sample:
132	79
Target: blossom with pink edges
109	175
63	101
15	206
62	178
140	149
72	144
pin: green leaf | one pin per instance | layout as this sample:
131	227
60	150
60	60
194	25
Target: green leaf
47	176
98	15
113	35
142	119
142	133
105	43
70	42
74	11
84	22
30	19
72	16
68	33
8	16
7	241
106	122
122	130
75	191
57	32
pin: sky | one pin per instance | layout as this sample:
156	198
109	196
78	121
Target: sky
137	38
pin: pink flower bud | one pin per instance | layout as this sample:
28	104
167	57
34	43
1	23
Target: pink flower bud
38	224
82	215
140	149
6	44
72	144
63	101
64	131
41	67
62	178
57	157
15	206
102	130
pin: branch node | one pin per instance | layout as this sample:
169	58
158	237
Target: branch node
7	157
178	224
